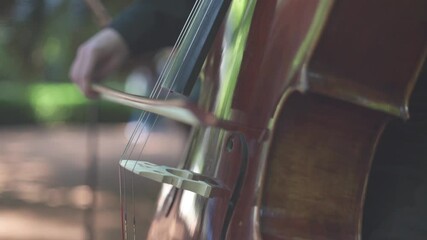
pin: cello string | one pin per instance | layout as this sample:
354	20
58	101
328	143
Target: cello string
135	142
157	117
156	91
168	93
152	126
148	127
122	184
155	94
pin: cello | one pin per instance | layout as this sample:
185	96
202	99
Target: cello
294	97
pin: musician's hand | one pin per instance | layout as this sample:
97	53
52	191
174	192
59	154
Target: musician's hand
97	58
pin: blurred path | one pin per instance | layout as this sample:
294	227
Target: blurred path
42	191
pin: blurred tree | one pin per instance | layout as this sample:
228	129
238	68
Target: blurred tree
5	6
38	38
27	21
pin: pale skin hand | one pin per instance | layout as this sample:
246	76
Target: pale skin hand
98	57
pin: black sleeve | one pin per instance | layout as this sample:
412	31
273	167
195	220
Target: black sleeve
148	25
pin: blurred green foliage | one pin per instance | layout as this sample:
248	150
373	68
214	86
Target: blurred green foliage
38	40
51	103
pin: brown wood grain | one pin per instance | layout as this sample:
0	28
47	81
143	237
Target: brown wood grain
317	170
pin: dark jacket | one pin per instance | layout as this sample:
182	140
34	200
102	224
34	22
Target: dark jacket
148	25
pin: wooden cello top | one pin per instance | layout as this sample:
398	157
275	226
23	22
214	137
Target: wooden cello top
371	52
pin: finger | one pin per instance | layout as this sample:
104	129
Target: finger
84	70
73	70
76	68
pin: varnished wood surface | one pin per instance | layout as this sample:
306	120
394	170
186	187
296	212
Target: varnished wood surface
318	168
270	67
278	31
370	53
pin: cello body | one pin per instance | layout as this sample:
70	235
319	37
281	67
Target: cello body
312	85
